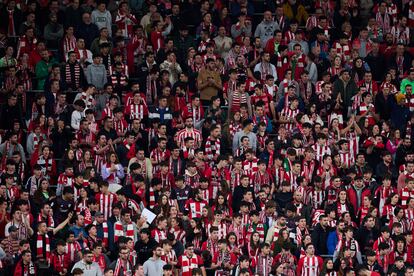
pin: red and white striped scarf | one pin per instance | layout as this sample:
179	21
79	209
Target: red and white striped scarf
119	231
211	246
158	155
289	36
120	126
261	139
159	235
212	148
299	234
235	179
264	264
259	180
69	43
383	194
334	71
384	22
234	128
125	268
81	53
177	164
383	261
108	112
76	77
179	233
343	50
105	232
311	23
206	194
43	247
152	201
50	221
72	249
409	215
189	263
195	112
265	69
401	34
308	169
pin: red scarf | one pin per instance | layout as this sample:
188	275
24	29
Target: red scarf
43	247
11	30
120	265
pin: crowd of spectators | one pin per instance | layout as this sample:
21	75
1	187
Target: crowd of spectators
196	137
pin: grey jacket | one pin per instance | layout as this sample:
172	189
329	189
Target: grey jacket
252	139
102	19
265	30
153	267
96	75
88	270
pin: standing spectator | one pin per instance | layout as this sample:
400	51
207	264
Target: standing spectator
96	73
266	28
102	18
154	265
73	15
123	266
53	32
310	264
87	30
89	267
208	81
320	236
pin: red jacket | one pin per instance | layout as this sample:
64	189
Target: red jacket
31	269
60	262
157	40
353	198
270	46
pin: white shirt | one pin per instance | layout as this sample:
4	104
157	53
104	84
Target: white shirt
77	116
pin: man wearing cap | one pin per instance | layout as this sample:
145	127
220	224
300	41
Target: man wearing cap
11	244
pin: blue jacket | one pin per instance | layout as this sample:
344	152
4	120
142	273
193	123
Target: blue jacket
332	242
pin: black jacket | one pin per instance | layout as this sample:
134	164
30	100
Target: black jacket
320	238
88	32
238	196
144	250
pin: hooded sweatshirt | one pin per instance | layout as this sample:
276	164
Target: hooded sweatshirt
102	19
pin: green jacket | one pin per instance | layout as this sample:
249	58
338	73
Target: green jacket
42	71
404	83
